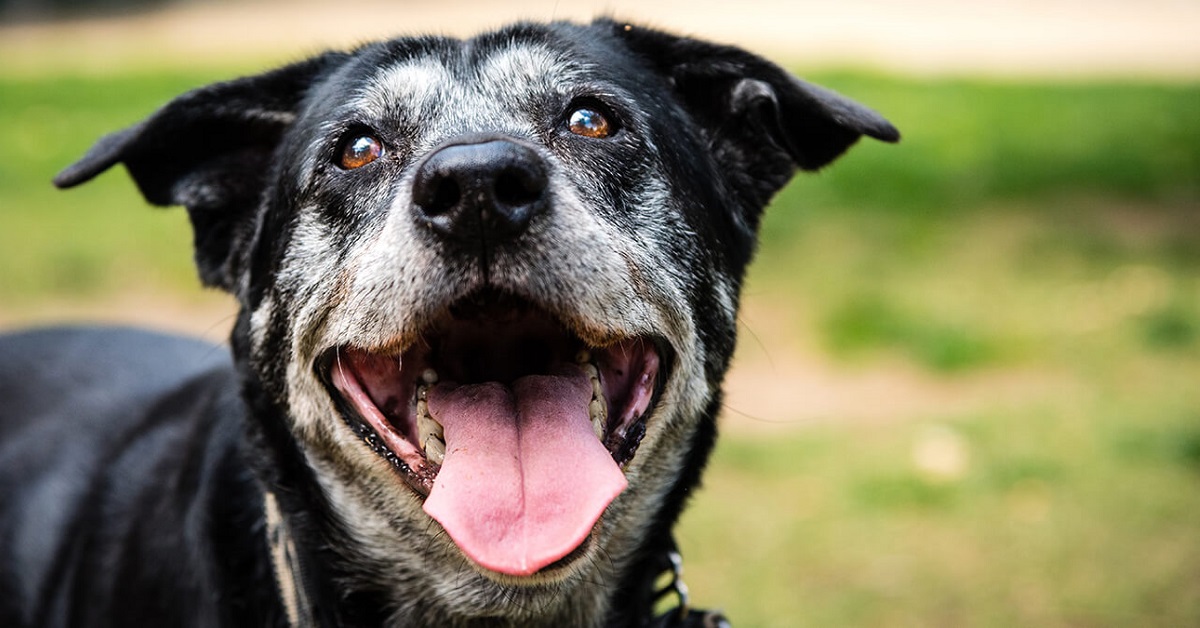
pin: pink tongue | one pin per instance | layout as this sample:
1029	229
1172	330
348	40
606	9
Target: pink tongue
525	478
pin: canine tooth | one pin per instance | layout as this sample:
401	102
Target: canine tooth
423	416
435	450
583	357
429	376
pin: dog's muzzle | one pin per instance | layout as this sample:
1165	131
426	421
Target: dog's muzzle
512	427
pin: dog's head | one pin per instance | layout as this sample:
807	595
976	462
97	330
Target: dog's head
489	287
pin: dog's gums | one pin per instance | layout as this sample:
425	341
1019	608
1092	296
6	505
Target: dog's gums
501	413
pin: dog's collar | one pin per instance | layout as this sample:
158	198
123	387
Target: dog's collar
289	580
682	615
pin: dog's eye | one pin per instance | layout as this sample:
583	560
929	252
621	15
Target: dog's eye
360	150
589	122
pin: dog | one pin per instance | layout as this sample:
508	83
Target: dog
488	292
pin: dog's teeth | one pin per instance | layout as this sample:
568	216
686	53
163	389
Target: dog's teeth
426	425
428	429
583	357
435	450
429	376
591	370
594	374
597	408
599	419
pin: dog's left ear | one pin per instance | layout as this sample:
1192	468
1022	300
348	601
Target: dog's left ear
212	151
761	121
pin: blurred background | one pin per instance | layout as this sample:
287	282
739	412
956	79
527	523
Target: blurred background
967	391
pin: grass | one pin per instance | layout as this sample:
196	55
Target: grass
1076	511
1058	517
968	144
1019	229
94	240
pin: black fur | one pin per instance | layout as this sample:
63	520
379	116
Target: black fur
134	466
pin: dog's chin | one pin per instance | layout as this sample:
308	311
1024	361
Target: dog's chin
511	428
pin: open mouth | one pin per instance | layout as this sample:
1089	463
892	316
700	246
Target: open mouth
513	429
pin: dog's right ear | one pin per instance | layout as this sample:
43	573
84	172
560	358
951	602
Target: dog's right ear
210	150
759	122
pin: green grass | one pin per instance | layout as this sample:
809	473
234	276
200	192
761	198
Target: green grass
92	240
1075	515
1020	230
968	144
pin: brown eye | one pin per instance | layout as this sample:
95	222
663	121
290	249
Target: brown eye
589	123
360	151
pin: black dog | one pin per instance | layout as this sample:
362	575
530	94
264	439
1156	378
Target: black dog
488	293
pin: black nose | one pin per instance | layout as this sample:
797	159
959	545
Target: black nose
485	190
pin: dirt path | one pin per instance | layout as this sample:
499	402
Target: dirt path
1022	37
782	379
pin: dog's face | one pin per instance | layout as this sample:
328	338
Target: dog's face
490	285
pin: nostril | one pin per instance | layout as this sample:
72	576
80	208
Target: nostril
446	195
489	190
516	187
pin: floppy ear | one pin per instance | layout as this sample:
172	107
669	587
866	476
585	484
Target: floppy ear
761	122
210	150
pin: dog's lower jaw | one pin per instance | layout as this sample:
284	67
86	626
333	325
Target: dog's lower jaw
469	599
610	586
419	578
431	583
571	612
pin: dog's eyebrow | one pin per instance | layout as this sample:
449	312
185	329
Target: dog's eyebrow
411	83
529	67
